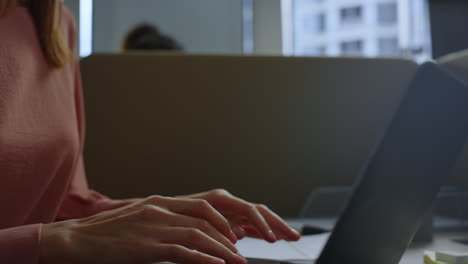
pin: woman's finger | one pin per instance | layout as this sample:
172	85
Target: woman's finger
255	218
251	231
280	228
239	231
197	240
197	208
204	226
278	225
242	213
179	254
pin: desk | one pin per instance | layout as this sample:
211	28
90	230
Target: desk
443	239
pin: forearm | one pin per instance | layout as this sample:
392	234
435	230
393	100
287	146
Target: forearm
20	245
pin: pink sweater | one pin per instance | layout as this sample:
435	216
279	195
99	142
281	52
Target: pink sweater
41	140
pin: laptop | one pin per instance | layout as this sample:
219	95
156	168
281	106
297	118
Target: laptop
404	174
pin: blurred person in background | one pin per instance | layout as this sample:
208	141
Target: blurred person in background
147	37
49	215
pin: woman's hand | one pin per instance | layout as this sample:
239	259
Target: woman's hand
153	230
247	219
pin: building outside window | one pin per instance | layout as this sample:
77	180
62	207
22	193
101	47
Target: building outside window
383	28
351	48
387	13
248	27
389	46
314	23
305	2
314	51
351	15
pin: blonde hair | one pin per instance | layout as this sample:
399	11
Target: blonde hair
45	14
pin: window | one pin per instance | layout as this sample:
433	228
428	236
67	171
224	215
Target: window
389	46
351	14
387	13
86	27
351	48
306	2
342	27
248	31
314	23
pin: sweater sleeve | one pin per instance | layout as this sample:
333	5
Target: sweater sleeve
20	245
80	201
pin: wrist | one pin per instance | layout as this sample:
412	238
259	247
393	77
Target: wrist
54	243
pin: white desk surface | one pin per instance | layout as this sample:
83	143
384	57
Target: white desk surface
443	239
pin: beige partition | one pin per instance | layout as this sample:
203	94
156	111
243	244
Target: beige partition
269	129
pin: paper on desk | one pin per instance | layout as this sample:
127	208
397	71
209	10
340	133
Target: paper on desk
304	251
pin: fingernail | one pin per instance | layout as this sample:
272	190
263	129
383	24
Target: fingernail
272	236
240	259
296	232
219	261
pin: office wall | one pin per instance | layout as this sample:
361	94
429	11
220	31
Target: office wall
448	21
202	26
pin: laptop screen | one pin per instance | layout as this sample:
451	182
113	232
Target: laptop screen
403	176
